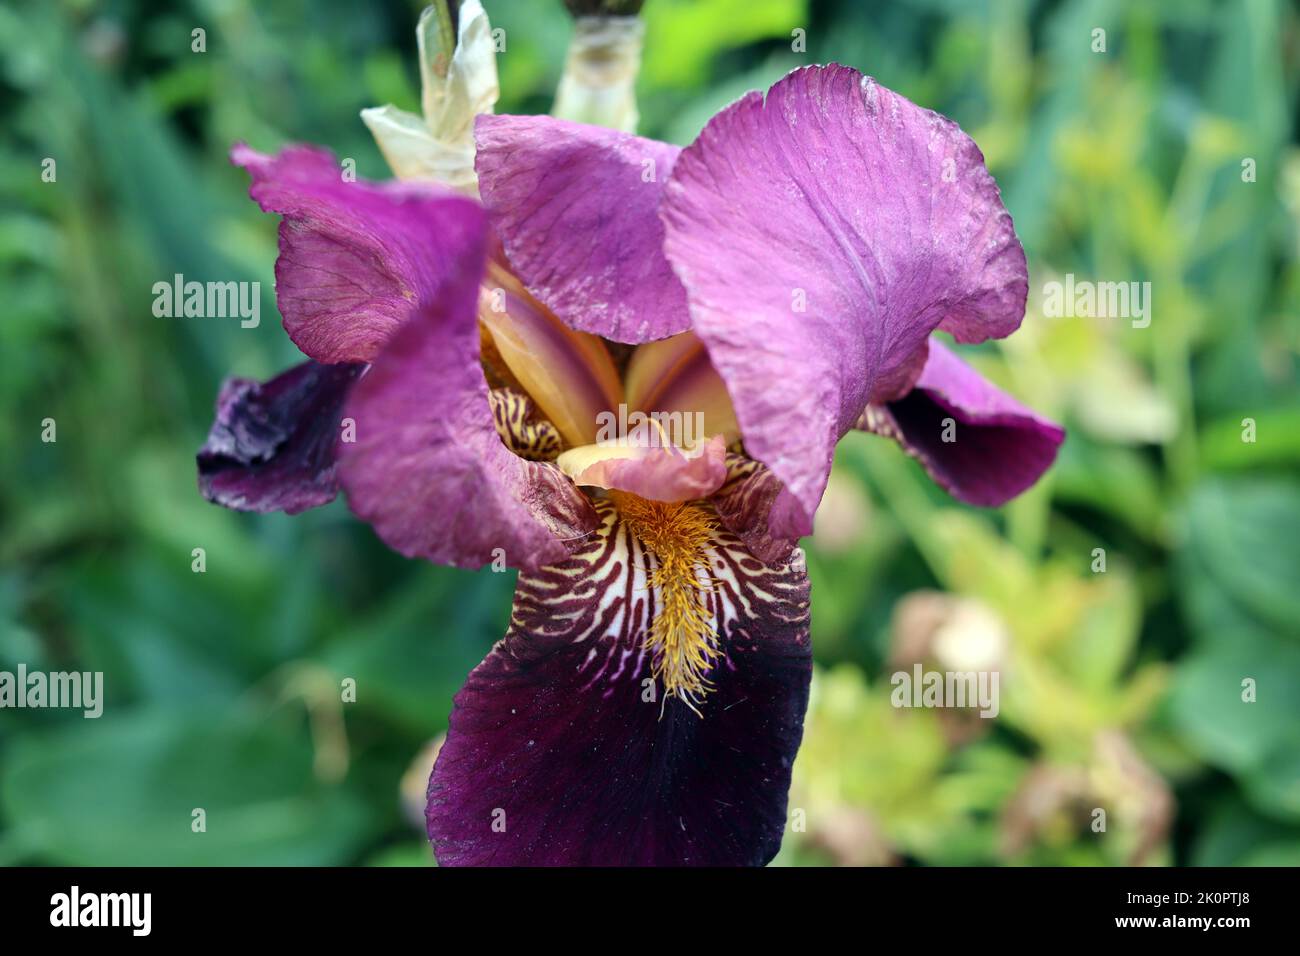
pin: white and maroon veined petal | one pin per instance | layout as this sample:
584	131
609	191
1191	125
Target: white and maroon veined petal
744	504
563	749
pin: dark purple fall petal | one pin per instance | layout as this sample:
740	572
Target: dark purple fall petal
822	232
354	256
999	447
554	755
271	447
575	207
428	468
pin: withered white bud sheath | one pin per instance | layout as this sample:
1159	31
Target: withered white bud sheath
459	80
599	81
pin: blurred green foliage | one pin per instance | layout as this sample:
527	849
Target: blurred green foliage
1121	689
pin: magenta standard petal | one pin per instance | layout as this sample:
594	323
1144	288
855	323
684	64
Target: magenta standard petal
822	232
271	447
557	754
428	468
576	209
998	448
354	256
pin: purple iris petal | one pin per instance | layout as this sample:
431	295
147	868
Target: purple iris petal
557	755
354	256
822	232
428	468
658	472
575	207
998	448
271	447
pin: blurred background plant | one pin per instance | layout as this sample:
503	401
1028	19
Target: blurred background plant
1121	688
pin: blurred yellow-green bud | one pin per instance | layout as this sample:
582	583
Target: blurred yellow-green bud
415	781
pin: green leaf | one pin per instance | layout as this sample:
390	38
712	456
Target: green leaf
411	656
1259	741
1244	540
122	790
1234	835
1277	440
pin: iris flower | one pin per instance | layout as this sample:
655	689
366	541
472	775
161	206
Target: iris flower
469	345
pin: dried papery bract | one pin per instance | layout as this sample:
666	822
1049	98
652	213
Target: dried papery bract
458	77
598	85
